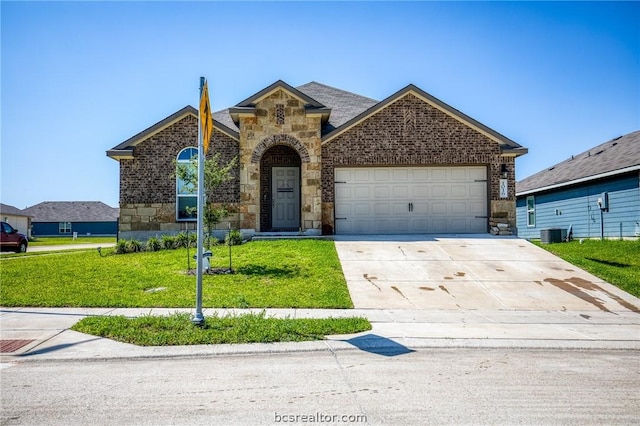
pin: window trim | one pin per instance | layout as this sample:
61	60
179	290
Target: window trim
66	229
185	195
531	211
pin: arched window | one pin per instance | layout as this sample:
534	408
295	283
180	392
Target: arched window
186	193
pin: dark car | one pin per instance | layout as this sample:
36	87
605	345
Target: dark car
12	239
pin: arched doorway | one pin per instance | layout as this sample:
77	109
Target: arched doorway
280	189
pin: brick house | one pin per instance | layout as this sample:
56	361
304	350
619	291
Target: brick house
320	160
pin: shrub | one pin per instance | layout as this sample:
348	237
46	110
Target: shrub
121	247
133	246
153	244
233	238
182	240
168	242
210	240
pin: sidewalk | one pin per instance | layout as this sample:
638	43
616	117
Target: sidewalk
43	333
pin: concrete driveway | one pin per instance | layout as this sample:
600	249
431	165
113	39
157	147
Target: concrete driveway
470	272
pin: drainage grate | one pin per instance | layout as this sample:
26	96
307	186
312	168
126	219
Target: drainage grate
7	346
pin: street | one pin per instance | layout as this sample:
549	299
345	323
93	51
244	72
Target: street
427	386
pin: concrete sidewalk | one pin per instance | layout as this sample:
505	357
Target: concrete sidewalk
46	335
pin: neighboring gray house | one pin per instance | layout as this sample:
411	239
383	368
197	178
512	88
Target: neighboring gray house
17	218
566	195
56	218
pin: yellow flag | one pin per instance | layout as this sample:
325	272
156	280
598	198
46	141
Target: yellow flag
206	121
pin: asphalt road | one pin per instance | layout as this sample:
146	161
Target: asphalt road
430	386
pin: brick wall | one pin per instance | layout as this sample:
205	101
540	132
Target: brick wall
147	185
411	132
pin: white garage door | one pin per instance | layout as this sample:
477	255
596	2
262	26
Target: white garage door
411	200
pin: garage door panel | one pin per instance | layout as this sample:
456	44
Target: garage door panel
478	208
362	209
343	210
420	175
477	173
459	191
439	191
401	200
400	175
459	208
439	208
382	192
420	191
400	192
381	175
439	174
362	192
361	175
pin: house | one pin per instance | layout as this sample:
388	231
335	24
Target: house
17	218
56	218
315	160
595	193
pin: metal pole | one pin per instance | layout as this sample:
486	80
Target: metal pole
601	224
198	317
229	238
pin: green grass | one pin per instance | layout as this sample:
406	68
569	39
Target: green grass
615	261
63	241
284	273
247	328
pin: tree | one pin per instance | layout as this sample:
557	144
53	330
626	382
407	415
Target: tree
215	175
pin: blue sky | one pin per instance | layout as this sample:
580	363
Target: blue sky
78	78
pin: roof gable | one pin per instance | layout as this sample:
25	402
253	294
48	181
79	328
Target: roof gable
508	146
616	156
253	99
248	105
125	149
6	209
72	211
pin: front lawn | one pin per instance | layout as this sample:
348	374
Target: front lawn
615	261
277	274
247	328
63	241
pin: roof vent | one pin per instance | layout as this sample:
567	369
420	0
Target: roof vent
600	152
615	139
614	144
552	168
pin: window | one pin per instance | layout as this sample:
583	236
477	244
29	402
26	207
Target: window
186	194
531	211
64	227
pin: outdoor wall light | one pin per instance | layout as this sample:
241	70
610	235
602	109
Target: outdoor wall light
503	171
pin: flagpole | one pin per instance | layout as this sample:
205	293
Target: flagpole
198	317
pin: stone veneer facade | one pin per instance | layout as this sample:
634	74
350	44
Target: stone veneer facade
408	131
263	129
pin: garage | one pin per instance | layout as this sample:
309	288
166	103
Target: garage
411	200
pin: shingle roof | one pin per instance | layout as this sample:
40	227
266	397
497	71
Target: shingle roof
344	105
72	211
618	154
343	109
6	209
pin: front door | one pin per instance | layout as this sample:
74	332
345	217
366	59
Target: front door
285	190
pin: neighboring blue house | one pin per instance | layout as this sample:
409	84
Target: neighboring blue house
56	218
567	194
